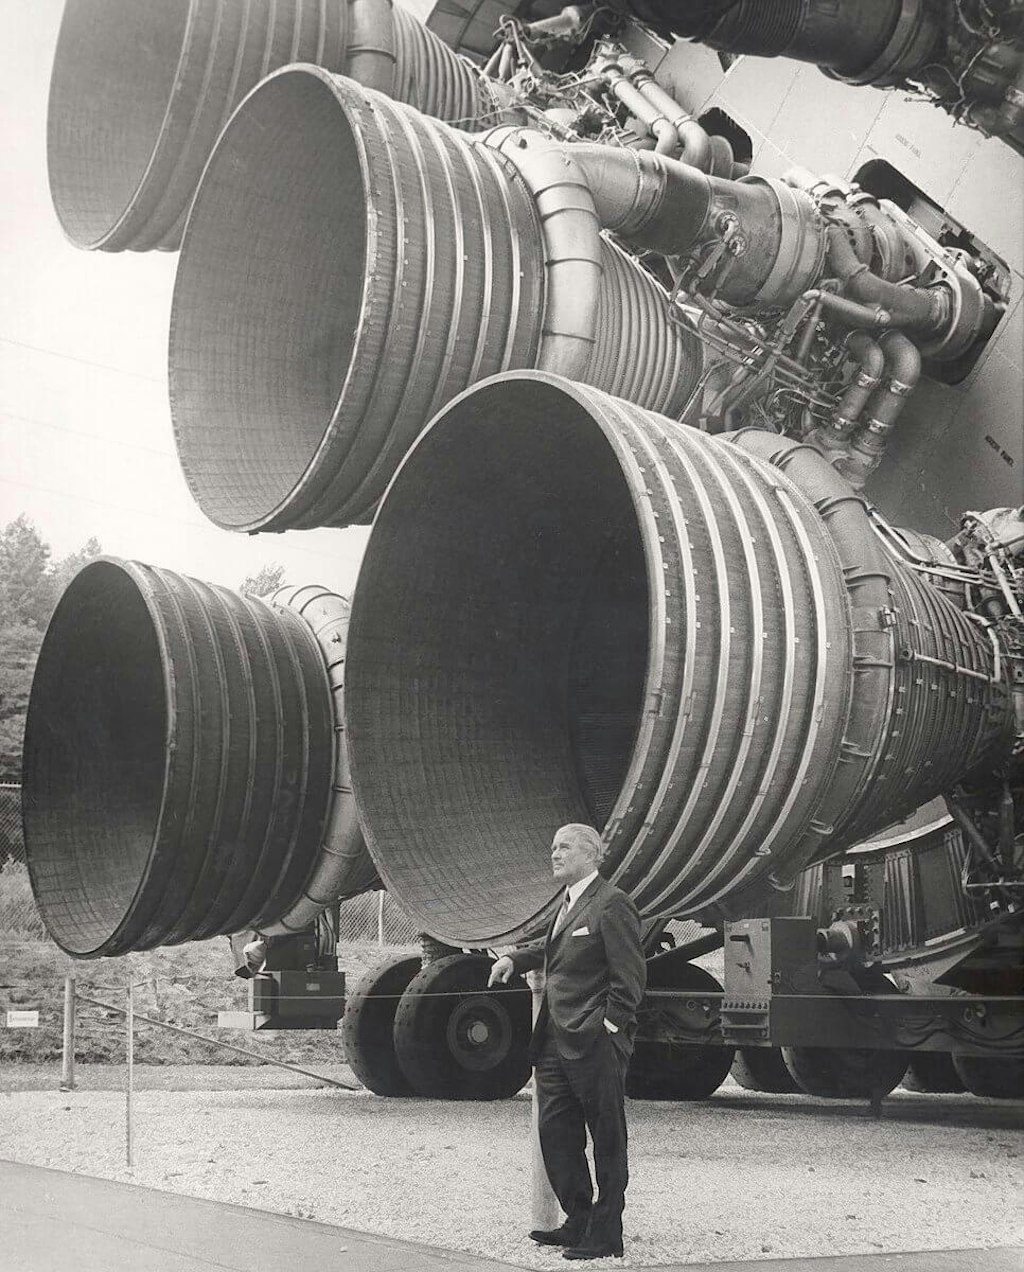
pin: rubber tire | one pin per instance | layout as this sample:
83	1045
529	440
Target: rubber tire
431	1040
367	1027
845	1073
763	1069
932	1073
992	1077
664	1070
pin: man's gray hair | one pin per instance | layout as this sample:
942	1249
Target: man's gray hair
581	836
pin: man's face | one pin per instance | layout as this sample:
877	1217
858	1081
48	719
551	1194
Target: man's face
571	862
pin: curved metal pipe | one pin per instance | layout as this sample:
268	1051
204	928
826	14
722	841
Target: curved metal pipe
870	360
661	204
343	868
572	245
902	372
630	623
917	309
858	232
895	255
599	305
180	765
693	139
850	313
723	161
399	262
139	93
660	126
650	200
683	138
568	21
372	55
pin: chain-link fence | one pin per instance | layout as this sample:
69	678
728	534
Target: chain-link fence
19	918
375	918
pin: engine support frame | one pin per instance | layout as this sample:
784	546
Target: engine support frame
780	992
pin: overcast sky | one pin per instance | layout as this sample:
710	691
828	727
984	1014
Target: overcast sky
85	435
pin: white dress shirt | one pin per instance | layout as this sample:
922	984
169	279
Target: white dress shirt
576	889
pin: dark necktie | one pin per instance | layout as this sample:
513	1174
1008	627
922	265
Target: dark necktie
562	913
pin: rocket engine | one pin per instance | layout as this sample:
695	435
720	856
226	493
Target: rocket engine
611	399
139	93
570	609
968	56
186	769
401	261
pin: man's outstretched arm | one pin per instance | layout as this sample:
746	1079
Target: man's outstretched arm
528	959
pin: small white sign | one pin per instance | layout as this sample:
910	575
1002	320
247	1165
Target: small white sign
22	1019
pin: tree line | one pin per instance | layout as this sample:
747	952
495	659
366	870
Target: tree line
31	583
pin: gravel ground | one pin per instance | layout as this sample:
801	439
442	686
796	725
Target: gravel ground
741	1176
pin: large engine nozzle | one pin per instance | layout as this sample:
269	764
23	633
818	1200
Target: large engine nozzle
571	609
862	41
185	770
351	265
140	91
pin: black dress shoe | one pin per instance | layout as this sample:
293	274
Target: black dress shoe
566	1234
593	1252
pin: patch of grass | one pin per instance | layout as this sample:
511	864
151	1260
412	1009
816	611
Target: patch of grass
186	985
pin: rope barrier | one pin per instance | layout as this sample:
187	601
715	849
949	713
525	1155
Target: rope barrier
217	1042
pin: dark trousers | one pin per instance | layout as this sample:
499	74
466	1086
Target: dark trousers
573	1097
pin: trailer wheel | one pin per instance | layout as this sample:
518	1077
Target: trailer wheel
662	1069
996	1077
932	1073
763	1069
845	1073
367	1028
455	1039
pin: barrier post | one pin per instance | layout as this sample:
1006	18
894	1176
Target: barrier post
380	918
544	1209
129	1061
67	1064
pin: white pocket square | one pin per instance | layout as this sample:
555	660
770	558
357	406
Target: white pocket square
583	931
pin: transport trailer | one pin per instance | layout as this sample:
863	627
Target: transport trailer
882	980
715	538
851	1018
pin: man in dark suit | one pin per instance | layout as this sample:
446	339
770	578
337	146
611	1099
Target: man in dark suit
594	980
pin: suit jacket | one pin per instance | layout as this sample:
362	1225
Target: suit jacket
594	969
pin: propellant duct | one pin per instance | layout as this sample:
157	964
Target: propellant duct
572	609
185	770
139	93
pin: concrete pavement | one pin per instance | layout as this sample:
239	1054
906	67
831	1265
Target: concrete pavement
54	1221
